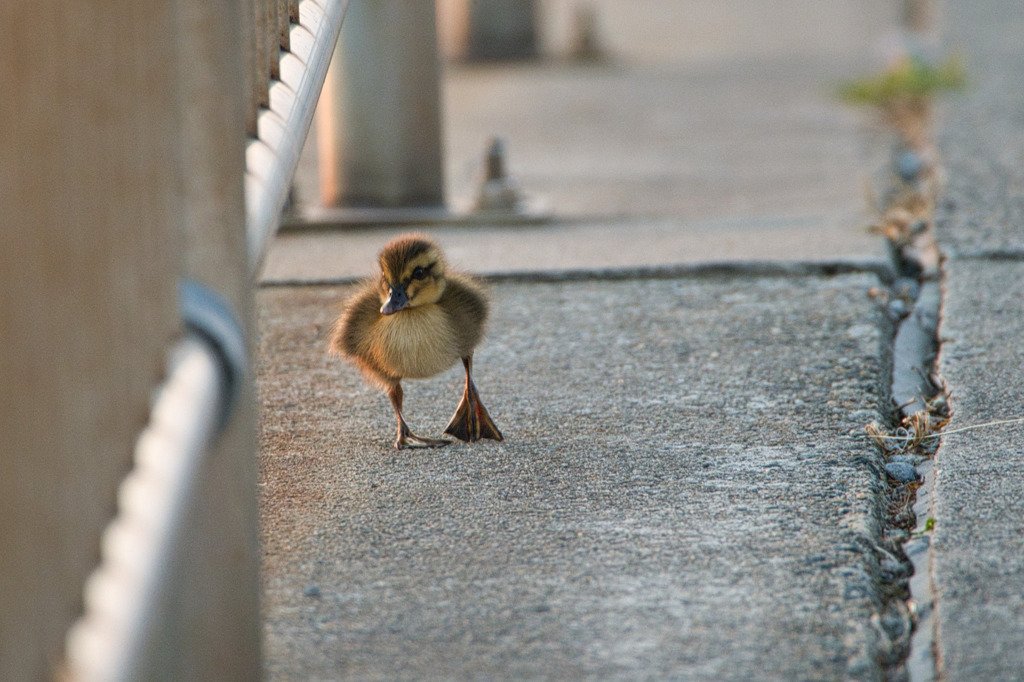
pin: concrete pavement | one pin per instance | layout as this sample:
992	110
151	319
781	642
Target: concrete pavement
684	492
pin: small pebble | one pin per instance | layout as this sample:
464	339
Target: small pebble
894	622
897	309
311	591
901	471
912	460
909	166
906	288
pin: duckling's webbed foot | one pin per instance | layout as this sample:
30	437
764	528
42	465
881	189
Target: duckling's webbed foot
471	422
406	438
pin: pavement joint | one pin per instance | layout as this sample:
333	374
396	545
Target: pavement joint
747	268
919	411
1000	255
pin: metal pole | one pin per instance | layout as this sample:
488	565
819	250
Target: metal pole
502	29
379	120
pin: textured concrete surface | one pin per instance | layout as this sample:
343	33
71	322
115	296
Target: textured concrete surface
978	544
684	491
981	134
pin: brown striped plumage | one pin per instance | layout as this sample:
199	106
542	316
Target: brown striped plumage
415	321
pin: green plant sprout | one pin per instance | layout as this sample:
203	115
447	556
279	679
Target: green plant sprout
903	94
929	526
911	78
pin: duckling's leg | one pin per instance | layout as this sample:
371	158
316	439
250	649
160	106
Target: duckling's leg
405	434
471	421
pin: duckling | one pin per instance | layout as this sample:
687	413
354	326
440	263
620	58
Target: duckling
415	321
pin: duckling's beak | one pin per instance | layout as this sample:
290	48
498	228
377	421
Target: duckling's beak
397	299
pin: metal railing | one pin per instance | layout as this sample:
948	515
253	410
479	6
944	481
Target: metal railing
122	597
281	112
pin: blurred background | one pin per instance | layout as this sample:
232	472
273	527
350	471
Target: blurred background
663	108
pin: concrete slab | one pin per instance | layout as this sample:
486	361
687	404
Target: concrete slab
979	509
978	499
684	491
981	136
735	137
712	133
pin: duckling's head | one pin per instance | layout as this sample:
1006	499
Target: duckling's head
412	273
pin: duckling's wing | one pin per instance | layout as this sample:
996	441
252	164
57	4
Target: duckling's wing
352	328
352	336
466	304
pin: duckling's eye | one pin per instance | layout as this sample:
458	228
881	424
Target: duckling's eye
419	272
